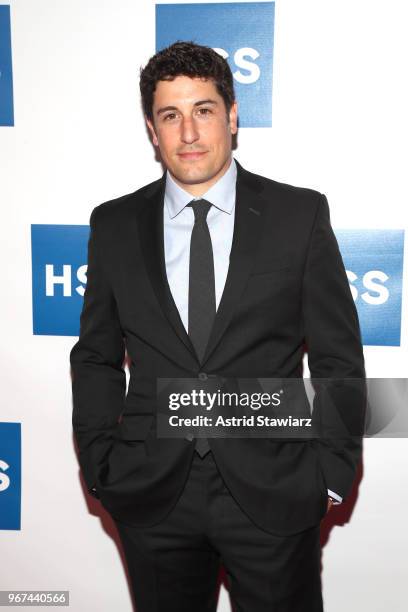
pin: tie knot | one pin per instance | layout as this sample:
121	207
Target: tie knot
200	208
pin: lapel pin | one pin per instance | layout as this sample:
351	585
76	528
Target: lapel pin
254	211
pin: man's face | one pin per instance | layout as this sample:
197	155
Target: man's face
193	132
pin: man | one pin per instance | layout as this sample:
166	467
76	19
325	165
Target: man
210	271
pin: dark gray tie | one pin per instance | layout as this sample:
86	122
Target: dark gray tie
201	292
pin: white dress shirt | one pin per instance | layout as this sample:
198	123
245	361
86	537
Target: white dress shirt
178	220
178	225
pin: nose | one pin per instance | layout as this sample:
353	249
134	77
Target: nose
189	131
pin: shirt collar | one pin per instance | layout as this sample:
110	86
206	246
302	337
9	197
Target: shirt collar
221	194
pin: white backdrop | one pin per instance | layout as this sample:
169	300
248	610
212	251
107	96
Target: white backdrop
339	126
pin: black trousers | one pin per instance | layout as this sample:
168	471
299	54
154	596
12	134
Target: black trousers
174	564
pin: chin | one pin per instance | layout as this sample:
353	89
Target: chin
193	177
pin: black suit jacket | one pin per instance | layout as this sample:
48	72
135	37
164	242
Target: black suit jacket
286	287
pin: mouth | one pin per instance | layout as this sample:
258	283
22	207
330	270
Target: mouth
194	155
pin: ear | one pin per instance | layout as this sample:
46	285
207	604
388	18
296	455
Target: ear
233	118
152	131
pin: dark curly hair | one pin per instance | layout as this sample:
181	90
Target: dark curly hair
186	58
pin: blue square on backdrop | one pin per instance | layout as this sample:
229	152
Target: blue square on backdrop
10	476
243	32
6	71
374	262
59	264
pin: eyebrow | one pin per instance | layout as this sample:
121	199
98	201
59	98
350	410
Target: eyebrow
198	103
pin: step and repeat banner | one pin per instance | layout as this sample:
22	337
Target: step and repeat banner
322	104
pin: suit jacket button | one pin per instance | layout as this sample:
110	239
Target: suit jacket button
202	376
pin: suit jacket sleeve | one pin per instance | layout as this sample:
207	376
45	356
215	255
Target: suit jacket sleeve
98	377
335	357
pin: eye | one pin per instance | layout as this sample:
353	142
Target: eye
169	116
204	111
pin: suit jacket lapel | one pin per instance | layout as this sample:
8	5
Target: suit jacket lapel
249	208
248	223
